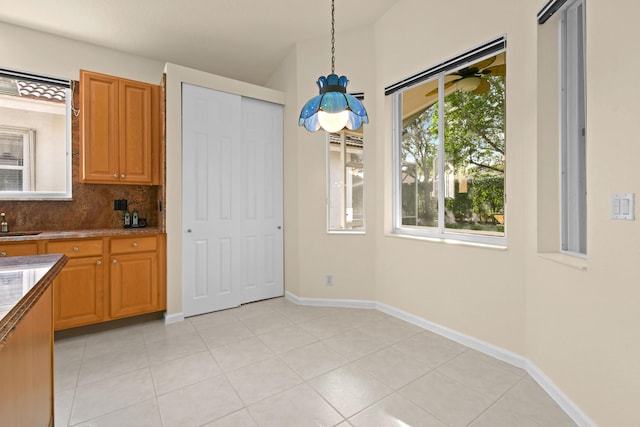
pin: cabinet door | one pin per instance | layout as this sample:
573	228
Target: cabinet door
99	109
26	395
135	132
134	284
78	293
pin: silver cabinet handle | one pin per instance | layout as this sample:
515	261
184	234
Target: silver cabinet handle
76	249
189	230
279	227
134	244
122	176
3	253
115	175
99	262
115	261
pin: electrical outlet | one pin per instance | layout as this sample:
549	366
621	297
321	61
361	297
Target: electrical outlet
329	281
120	205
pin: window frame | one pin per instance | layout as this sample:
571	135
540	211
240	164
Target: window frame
70	112
441	233
343	193
28	155
573	197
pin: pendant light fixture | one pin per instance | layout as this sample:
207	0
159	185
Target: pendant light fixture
333	109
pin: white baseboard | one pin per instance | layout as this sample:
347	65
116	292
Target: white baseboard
579	417
469	341
576	414
322	302
173	318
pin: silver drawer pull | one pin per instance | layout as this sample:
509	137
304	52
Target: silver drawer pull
76	249
99	262
134	244
3	253
115	261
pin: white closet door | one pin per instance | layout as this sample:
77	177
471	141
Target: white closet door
211	150
232	200
262	203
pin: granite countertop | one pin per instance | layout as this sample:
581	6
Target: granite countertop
23	280
20	236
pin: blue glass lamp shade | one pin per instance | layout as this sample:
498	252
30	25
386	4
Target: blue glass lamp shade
333	109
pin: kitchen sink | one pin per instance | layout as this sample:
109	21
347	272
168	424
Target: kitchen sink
20	233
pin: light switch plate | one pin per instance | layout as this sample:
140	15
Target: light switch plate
623	206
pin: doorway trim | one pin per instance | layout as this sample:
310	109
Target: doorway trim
175	76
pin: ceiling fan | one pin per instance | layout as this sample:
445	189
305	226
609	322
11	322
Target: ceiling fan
470	79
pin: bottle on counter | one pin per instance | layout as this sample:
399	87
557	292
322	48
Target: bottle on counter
4	225
127	219
134	219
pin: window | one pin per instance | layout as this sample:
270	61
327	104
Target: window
573	124
16	161
450	147
35	137
345	173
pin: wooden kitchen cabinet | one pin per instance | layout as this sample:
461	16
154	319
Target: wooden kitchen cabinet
78	297
79	293
134	283
26	369
26	337
120	122
18	249
87	291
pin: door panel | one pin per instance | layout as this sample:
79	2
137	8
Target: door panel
211	213
135	131
262	203
99	110
232	200
78	297
134	284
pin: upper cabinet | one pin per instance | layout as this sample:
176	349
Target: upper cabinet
120	138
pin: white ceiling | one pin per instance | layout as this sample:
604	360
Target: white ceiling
240	39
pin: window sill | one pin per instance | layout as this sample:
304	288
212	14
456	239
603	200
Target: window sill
564	259
448	241
347	232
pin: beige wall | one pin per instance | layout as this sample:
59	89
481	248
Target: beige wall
577	322
574	321
582	326
285	79
350	259
26	50
474	290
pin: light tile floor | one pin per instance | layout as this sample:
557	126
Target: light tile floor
274	363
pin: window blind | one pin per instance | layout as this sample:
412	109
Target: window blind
549	9
486	49
38	78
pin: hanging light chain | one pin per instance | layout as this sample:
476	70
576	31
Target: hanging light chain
333	37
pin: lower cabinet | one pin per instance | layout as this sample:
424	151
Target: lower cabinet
18	249
78	291
85	292
78	297
26	369
134	277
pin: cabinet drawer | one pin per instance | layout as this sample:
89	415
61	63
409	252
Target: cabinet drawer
134	244
76	248
18	249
